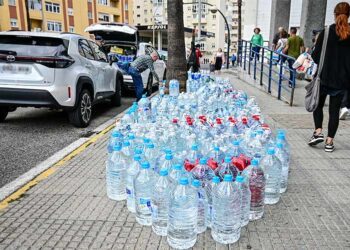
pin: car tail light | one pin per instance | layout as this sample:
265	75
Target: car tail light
50	62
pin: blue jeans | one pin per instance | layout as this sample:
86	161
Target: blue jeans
255	53
137	79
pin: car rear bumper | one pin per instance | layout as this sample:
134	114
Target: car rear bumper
27	98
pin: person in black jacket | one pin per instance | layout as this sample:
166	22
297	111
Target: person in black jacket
335	75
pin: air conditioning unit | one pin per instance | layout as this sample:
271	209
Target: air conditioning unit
37	29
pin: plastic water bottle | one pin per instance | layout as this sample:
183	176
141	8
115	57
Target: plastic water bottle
226	224
243	186
160	203
209	188
131	174
151	155
282	155
273	169
144	109
162	88
182	220
203	172
128	152
168	162
115	140
176	173
256	178
227	168
115	175
174	88
202	207
144	184
188	82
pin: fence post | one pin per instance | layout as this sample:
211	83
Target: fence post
256	54
262	66
250	54
245	55
280	80
270	72
293	88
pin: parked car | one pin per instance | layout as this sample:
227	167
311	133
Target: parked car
123	40
61	71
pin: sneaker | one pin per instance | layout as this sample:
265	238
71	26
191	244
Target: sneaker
329	147
343	113
316	139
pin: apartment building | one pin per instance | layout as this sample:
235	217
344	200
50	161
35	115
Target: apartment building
61	15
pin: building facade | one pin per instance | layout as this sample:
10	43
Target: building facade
61	15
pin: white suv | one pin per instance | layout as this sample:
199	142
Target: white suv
123	40
62	71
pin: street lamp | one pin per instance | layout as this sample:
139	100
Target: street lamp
213	10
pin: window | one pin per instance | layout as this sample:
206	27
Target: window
90	15
202	46
145	11
103	2
203	16
103	17
100	55
70	12
54	26
189	8
89	1
85	50
214	17
146	20
1	2
138	15
12	2
13	22
52	7
194	16
71	29
126	7
213	46
138	7
34	4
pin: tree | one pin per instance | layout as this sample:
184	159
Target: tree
176	66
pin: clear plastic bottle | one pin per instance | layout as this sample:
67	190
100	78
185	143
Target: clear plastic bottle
115	175
226	224
182	220
115	140
256	178
167	163
151	155
160	203
194	154
273	170
203	172
176	173
282	155
227	168
128	152
144	184
202	207
174	88
243	185
209	189
131	174
144	109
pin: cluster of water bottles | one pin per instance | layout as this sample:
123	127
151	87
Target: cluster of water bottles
202	159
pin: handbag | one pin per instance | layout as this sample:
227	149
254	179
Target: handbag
313	88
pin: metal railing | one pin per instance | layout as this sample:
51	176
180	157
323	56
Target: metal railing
271	68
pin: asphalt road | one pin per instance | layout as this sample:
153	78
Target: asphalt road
29	136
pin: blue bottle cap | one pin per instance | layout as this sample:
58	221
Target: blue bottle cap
138	151
131	136
271	151
260	131
196	183
203	161
145	165
137	157
126	144
117	148
252	134
216	148
279	145
227	159
177	167
167	151
163	172
150	145
183	181
281	137
228	178
168	157
146	140
236	143
240	178
194	147
216	179
116	134
254	162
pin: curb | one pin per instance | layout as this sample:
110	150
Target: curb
23	183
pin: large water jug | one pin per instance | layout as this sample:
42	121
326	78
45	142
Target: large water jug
273	170
182	220
131	173
209	189
160	203
243	186
227	168
282	155
144	184
144	109
115	175
203	172
202	206
226	223
174	88
256	178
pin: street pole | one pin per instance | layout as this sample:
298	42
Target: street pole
199	11
239	29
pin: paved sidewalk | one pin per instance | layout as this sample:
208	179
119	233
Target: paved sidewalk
70	209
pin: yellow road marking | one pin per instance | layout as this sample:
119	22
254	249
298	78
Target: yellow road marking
44	175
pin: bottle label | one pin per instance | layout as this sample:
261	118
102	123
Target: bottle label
145	204
129	192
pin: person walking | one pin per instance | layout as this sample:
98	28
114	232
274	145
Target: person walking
139	65
198	54
219	59
345	106
282	41
257	42
294	47
335	74
277	37
233	59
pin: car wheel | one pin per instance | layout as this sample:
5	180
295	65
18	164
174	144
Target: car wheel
3	113
149	85
81	115
116	99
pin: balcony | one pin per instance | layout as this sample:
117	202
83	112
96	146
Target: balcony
36	14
